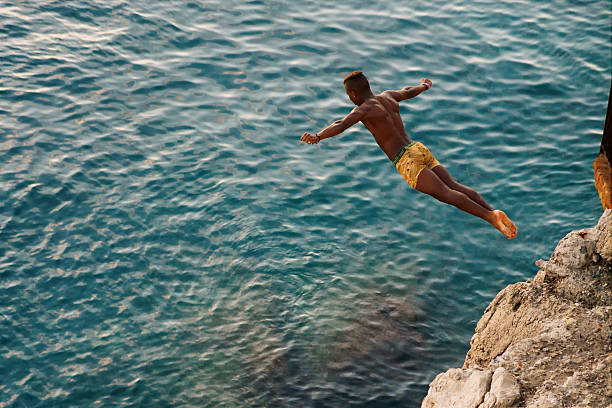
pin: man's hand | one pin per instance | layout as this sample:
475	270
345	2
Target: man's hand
310	138
427	82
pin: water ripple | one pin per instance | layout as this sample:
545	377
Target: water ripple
168	242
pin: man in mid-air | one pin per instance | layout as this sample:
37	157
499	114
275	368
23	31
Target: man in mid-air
380	115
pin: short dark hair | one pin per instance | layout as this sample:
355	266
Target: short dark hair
356	81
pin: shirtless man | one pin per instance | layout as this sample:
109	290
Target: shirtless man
380	115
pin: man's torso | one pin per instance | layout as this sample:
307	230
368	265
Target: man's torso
383	120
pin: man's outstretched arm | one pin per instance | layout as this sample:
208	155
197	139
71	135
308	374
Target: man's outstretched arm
335	128
410	91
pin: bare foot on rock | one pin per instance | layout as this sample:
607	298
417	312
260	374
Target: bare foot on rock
500	220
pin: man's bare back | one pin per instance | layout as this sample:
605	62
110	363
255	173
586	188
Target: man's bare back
382	118
380	115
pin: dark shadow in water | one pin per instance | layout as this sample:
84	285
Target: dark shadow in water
374	361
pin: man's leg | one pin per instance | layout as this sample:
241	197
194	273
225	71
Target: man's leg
449	181
430	183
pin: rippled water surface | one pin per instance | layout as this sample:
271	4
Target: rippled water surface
166	241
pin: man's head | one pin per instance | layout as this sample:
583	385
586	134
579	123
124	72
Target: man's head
357	87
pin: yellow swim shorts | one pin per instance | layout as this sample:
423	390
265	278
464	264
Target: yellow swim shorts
412	159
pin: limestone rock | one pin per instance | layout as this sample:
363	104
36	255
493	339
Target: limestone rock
504	392
458	388
552	335
604	243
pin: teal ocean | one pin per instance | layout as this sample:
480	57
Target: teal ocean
166	241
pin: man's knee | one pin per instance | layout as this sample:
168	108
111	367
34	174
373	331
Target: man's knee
463	189
469	191
445	195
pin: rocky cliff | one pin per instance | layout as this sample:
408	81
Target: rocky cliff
543	343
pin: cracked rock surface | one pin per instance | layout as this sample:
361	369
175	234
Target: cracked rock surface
546	342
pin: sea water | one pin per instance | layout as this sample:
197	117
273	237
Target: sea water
166	241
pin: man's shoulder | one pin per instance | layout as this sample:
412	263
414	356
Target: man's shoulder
383	102
366	108
373	103
386	94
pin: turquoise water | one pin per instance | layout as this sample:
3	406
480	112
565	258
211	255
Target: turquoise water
166	240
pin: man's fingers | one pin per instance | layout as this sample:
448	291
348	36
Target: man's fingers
308	138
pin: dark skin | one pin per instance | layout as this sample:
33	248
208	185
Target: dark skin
381	116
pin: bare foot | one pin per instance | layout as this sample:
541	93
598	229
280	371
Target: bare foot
500	220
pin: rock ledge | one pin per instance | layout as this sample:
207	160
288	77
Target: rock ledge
544	343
